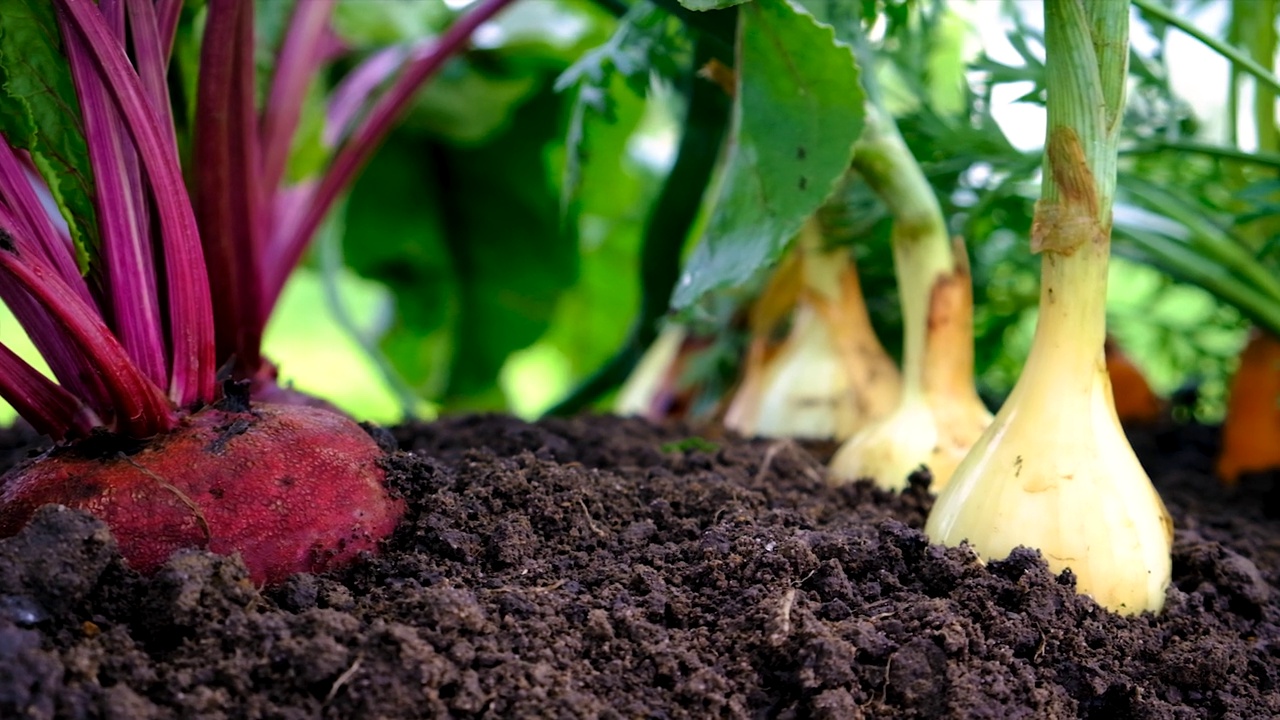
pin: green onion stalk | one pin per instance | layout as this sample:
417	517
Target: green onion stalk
1055	471
939	415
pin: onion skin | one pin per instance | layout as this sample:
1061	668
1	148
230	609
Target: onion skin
940	416
830	376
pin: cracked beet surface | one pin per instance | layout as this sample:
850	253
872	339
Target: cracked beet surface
603	568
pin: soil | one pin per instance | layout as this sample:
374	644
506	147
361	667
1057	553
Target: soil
607	568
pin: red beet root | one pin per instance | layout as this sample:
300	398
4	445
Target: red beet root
291	488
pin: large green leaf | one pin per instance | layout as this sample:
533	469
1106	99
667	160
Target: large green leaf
39	111
798	111
365	25
512	253
469	241
394	234
647	42
611	194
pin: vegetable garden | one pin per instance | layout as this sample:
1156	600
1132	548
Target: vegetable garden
680	358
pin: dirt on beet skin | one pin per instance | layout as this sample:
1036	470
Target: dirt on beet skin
606	568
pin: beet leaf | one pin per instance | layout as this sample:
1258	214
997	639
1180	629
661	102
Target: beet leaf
40	113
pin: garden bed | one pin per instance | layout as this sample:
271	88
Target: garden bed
607	568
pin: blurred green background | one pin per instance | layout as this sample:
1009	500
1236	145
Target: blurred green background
488	258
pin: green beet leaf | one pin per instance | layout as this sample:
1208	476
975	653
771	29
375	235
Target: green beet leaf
39	112
701	5
394	233
469	242
798	111
513	254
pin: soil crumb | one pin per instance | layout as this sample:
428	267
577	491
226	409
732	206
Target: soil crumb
607	568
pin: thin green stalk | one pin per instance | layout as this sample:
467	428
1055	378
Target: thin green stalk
1087	70
1189	266
1264	52
673	214
1218	152
1237	57
1235	29
1210	241
329	247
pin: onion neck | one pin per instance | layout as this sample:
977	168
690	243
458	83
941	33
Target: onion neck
922	251
1087	45
1066	358
947	374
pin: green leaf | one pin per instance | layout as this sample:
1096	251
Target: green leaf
609	194
365	25
513	256
470	243
270	23
468	105
690	444
701	5
647	41
308	153
39	112
395	235
799	110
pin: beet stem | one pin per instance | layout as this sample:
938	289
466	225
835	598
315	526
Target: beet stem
192	363
285	251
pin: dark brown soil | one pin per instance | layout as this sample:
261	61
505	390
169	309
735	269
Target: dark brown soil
606	568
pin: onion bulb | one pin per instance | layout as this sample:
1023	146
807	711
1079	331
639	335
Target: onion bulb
1055	471
831	375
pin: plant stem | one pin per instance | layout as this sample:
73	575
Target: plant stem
49	408
1206	238
192	365
922	250
30	216
1264	53
1217	152
151	56
667	229
125	265
140	408
1235	29
329	242
168	13
228	191
1086	43
300	56
285	252
1185	264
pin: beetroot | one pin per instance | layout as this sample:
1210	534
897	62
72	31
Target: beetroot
156	283
289	488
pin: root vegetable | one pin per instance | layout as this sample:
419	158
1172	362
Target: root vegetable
831	375
1055	471
1251	430
940	414
289	488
